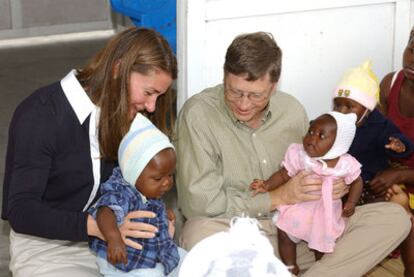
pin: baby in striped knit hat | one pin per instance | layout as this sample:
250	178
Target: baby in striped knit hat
146	166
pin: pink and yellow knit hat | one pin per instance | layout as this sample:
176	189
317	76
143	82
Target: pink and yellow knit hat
361	85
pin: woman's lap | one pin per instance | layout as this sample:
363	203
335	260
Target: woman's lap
33	256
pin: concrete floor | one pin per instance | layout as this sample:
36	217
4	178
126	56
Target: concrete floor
29	64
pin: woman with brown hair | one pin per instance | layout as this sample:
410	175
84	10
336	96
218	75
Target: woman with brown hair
63	142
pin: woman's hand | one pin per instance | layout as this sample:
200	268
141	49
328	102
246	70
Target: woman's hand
298	189
137	229
128	228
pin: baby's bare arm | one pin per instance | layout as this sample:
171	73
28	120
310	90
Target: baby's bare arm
353	197
278	178
116	251
258	186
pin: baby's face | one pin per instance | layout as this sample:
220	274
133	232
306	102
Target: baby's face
320	137
157	177
346	105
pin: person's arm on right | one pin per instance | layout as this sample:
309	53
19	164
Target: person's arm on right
391	176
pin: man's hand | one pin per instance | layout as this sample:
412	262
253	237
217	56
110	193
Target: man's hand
298	189
339	189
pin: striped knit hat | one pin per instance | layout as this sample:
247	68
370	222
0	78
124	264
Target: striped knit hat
361	85
142	142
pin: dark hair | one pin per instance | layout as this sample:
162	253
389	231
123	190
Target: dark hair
411	34
254	54
133	50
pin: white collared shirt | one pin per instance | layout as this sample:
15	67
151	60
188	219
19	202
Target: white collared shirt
83	107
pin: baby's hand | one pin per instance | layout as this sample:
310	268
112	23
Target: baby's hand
258	186
348	209
171	215
116	252
171	222
395	145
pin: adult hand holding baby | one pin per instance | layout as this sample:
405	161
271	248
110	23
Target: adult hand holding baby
129	228
302	188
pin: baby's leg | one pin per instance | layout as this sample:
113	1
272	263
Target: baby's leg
318	255
287	251
397	195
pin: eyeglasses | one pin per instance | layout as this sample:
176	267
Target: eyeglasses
254	97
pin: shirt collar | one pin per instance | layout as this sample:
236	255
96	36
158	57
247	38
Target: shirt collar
77	97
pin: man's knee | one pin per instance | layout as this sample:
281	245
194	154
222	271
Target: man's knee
396	216
198	228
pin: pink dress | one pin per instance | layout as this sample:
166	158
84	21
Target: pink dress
320	222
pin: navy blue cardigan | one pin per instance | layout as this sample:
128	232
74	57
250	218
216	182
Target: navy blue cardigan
48	175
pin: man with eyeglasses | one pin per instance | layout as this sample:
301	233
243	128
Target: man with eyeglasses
237	131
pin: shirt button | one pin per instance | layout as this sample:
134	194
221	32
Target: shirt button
254	135
264	161
259	214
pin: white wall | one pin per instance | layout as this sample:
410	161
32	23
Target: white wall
319	39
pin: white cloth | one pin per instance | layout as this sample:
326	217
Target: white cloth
241	251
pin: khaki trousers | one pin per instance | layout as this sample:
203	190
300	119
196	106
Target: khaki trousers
34	256
370	235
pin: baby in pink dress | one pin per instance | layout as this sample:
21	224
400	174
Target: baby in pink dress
323	152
